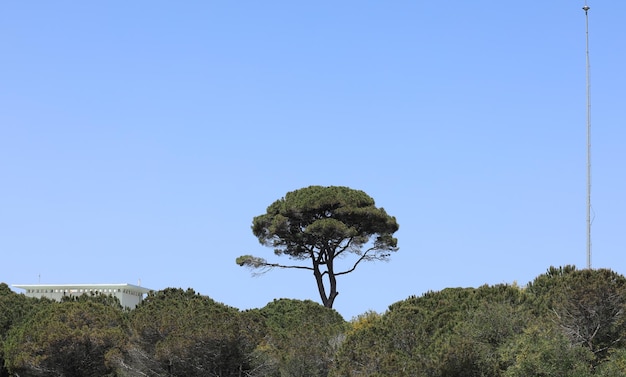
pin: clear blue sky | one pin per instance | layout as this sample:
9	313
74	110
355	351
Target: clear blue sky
138	139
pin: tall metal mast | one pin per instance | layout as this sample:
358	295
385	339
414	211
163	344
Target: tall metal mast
588	82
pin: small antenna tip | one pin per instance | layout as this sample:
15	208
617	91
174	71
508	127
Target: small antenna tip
586	8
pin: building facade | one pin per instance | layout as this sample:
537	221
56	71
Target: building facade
129	295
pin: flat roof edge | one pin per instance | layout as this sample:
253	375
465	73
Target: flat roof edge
123	285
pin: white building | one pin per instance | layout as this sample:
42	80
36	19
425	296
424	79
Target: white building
129	295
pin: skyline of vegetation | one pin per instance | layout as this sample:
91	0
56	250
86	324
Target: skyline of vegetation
566	322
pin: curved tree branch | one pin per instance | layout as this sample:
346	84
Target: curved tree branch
363	257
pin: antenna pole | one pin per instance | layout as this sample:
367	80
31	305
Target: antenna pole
588	82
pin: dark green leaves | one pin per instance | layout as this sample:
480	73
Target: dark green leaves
72	339
315	216
567	323
182	333
318	224
302	337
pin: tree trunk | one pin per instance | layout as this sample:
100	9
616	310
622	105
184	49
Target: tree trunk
320	283
332	279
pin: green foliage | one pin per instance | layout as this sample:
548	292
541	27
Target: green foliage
302	338
543	350
322	217
567	322
14	309
614	365
541	289
365	320
588	305
367	351
475	332
473	348
71	339
319	224
591	308
454	332
104	299
182	333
